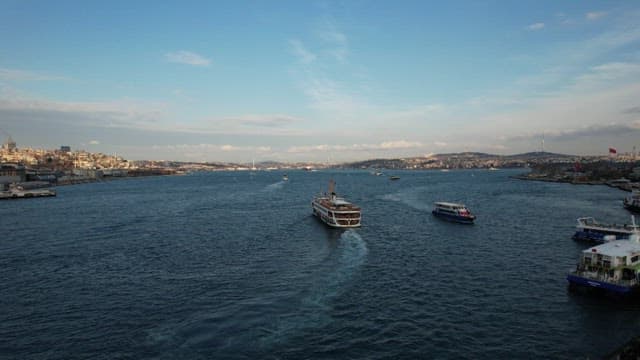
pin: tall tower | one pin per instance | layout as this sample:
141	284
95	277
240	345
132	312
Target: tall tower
9	144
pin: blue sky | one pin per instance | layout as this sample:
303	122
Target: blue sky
318	81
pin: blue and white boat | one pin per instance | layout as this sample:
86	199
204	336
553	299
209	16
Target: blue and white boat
453	212
610	268
588	229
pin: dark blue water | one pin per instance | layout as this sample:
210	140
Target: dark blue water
233	265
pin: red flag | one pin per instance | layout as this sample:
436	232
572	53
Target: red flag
612	151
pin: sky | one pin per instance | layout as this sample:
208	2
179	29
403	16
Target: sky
320	81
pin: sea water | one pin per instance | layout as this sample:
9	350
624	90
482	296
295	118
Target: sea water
233	265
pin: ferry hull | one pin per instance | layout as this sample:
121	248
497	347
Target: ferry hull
594	237
633	208
600	286
453	218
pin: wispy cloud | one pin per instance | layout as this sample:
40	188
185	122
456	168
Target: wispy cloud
632	110
585	132
335	40
536	26
119	113
94	142
607	73
301	52
24	75
595	15
187	57
277	120
383	146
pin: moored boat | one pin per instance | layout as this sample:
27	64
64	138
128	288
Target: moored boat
16	193
610	268
335	211
588	229
453	212
285	177
632	203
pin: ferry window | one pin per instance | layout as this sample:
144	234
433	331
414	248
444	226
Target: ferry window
634	258
587	260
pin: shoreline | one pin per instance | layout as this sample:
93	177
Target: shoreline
628	187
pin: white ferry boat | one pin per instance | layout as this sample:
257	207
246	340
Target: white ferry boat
588	229
335	211
453	212
612	268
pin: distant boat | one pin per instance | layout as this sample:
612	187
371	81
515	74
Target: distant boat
335	211
394	177
444	170
493	168
588	229
285	177
453	212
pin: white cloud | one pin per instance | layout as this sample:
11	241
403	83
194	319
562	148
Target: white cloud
536	26
595	15
383	146
94	142
298	49
23	75
267	120
606	74
209	148
336	41
187	57
440	144
119	113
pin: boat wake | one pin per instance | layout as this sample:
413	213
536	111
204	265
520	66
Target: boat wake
325	286
273	319
274	186
408	198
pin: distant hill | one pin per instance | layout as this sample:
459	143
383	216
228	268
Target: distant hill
464	160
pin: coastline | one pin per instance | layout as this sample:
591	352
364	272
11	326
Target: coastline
624	186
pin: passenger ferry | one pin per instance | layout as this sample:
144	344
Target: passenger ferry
453	212
588	229
335	211
611	268
632	203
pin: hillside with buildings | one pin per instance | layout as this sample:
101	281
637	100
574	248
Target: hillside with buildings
65	165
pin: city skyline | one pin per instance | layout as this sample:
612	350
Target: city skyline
318	81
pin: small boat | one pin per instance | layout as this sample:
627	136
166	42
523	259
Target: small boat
335	211
588	229
632	203
453	212
610	268
394	177
285	177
